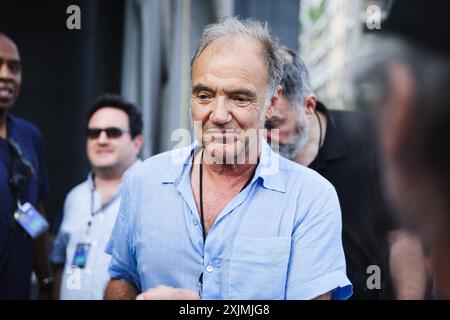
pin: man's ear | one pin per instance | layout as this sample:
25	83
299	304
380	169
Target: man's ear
138	142
273	102
310	104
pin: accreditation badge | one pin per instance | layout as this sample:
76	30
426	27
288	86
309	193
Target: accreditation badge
31	220
81	255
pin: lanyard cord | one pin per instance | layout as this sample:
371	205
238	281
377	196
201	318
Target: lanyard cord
102	207
91	218
320	131
202	219
12	167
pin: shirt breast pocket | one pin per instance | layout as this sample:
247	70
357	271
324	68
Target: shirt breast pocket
256	269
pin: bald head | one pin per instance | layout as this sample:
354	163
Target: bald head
10	72
7	38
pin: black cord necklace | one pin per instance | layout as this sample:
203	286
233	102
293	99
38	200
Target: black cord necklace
320	130
202	219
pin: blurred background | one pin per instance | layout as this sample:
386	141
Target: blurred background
142	49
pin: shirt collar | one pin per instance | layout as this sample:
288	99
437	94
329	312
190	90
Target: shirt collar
179	158
268	168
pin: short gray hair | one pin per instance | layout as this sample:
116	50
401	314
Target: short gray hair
295	80
232	27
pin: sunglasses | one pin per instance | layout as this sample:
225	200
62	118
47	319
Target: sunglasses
111	133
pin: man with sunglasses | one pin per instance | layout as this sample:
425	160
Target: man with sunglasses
23	181
113	143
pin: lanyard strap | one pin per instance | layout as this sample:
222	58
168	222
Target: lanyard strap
202	219
320	132
19	169
102	207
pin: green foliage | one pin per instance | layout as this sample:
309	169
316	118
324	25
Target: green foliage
315	12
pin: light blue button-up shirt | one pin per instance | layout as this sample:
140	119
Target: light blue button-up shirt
279	238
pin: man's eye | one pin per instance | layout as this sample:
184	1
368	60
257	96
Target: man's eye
203	97
272	123
241	100
15	67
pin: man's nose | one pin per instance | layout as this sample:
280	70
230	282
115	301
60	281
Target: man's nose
103	138
5	74
220	113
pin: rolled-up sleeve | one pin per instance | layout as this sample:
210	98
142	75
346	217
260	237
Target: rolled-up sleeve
58	253
120	245
317	264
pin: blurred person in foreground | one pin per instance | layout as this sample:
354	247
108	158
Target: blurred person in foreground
113	142
408	80
342	146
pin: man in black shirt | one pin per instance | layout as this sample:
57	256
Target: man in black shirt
382	261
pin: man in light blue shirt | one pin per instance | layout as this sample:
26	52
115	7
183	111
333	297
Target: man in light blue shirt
113	142
227	218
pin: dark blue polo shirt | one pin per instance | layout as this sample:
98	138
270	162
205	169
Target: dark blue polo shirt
15	276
